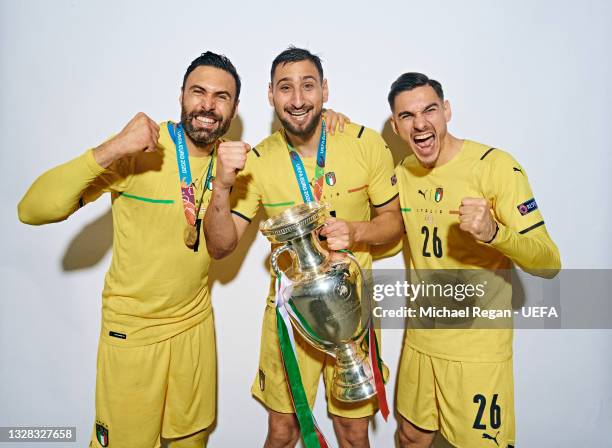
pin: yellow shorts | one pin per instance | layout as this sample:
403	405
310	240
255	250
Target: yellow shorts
470	403
270	385
167	389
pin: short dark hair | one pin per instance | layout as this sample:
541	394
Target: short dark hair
412	80
210	59
294	54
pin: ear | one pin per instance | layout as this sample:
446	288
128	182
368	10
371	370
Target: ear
235	109
181	98
393	125
325	91
270	96
447	111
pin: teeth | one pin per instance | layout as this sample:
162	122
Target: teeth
297	114
423	136
205	120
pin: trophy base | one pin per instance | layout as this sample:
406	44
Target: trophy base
353	376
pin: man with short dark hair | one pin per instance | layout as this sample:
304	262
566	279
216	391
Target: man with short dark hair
466	206
156	369
351	171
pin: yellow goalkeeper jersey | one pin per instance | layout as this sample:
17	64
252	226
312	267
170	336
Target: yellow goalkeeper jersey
358	174
156	286
430	200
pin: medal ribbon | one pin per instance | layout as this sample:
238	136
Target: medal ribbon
182	160
300	171
377	368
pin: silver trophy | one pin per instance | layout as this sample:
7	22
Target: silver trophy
329	303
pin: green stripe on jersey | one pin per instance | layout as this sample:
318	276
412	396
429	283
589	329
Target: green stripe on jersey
154	201
279	204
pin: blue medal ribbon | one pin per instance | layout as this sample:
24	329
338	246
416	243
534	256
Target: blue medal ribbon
182	159
300	171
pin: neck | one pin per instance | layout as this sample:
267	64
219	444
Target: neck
449	149
306	145
196	150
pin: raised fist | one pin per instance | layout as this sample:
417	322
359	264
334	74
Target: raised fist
476	218
231	158
140	134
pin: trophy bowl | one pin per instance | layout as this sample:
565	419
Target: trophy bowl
329	300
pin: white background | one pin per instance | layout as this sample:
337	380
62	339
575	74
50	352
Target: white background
531	77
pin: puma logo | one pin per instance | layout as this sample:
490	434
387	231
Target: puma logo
517	169
487	436
421	192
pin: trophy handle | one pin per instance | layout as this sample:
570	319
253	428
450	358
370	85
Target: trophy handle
367	296
274	257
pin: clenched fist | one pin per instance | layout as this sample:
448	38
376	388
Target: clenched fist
340	235
231	158
476	218
140	134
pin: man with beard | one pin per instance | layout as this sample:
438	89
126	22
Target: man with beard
355	171
156	368
466	206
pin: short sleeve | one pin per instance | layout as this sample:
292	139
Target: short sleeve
382	185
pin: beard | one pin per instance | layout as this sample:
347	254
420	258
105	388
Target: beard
304	130
429	164
204	137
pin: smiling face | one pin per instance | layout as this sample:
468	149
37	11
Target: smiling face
297	94
419	118
208	104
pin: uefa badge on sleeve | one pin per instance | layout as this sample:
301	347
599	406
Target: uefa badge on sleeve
527	207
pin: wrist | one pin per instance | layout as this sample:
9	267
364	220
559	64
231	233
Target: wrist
220	187
494	234
358	230
107	153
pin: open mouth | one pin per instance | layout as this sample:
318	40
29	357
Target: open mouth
298	115
204	122
424	141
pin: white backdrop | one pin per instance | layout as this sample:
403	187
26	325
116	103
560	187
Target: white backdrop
529	77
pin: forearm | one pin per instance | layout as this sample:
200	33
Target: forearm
55	195
107	153
387	227
535	252
219	227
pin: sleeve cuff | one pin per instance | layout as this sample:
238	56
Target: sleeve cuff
386	202
501	236
91	163
240	215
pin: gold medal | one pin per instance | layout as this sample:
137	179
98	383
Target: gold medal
190	236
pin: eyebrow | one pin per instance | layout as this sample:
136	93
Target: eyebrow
217	93
408	113
286	78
